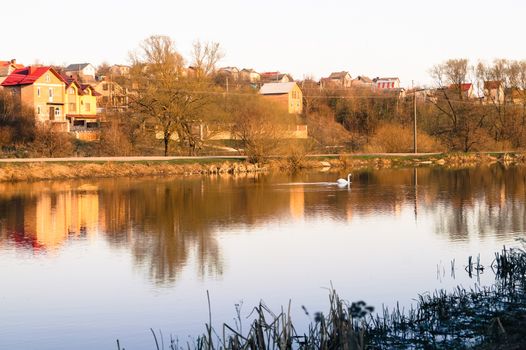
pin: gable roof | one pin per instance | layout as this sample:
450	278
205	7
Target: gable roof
276	88
339	75
363	78
463	87
77	66
28	75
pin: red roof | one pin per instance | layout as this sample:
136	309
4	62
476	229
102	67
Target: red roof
28	75
463	87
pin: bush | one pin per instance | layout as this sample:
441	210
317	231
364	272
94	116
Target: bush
51	143
393	138
114	142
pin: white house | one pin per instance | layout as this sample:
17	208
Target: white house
81	71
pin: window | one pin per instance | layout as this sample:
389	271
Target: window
72	107
57	112
38	91
48	78
50	92
71	91
38	110
105	87
87	106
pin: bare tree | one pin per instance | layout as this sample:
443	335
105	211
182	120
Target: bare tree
162	92
205	57
260	125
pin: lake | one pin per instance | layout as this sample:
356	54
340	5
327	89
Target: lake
86	262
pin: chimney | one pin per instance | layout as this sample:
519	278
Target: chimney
31	70
13	61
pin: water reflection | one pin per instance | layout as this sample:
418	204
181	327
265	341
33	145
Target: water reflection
168	223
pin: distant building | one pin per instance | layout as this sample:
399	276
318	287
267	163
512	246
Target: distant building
111	96
118	70
8	67
494	92
288	95
81	71
54	99
275	77
466	90
362	82
338	80
250	75
42	89
81	109
231	72
386	83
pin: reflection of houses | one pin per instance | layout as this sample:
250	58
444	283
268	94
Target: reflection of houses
494	92
297	202
288	95
55	217
81	71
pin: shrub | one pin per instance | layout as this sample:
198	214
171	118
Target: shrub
51	143
391	138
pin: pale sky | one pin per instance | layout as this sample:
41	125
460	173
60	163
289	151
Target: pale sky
303	37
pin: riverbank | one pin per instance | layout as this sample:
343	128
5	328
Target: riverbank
72	168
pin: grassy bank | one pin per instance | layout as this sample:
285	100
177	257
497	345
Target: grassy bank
487	318
35	171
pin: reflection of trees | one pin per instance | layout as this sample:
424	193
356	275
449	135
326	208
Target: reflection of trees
170	223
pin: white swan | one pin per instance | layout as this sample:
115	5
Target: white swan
343	182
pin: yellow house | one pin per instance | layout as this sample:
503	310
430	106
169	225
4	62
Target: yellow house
286	94
43	90
81	107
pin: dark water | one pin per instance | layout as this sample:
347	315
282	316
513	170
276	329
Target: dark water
83	263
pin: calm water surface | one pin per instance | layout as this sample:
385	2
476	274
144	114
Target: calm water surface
83	263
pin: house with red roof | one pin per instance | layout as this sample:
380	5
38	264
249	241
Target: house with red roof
467	90
43	90
62	102
8	67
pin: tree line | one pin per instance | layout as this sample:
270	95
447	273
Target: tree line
173	110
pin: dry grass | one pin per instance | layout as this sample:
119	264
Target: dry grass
57	171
